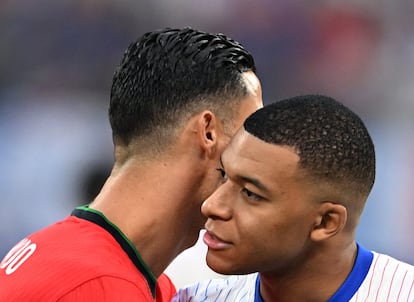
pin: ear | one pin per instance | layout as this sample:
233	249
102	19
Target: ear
330	221
208	131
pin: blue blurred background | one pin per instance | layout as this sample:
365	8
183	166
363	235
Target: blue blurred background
56	64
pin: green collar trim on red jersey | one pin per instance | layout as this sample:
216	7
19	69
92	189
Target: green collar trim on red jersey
84	212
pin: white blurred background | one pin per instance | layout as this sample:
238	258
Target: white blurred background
56	64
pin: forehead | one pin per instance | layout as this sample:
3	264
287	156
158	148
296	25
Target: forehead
247	155
252	101
252	83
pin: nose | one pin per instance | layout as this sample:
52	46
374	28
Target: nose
218	206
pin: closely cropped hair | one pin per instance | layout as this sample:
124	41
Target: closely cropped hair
166	76
332	141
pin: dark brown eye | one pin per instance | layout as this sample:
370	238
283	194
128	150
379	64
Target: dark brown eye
249	194
222	173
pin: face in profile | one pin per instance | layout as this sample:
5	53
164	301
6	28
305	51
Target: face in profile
251	103
260	218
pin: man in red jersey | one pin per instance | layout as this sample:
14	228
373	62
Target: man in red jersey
176	99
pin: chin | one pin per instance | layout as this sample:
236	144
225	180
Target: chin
225	269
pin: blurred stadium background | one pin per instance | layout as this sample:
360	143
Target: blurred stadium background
56	64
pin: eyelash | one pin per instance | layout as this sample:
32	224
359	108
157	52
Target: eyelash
249	194
223	173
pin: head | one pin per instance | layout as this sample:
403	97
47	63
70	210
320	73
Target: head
178	96
168	76
296	178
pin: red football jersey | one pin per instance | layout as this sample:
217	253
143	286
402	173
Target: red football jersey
82	258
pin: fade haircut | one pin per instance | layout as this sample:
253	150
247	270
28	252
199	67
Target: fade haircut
332	142
167	76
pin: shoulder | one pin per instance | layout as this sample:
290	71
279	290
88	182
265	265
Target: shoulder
233	288
388	277
165	289
107	288
110	288
386	265
70	254
75	245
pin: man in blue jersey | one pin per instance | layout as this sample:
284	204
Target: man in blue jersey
295	181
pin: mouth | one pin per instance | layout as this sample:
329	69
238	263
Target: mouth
214	242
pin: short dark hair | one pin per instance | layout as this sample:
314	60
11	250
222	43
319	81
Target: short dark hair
331	140
170	74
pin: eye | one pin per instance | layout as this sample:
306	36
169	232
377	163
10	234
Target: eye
222	173
249	194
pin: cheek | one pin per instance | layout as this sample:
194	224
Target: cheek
271	247
271	233
255	232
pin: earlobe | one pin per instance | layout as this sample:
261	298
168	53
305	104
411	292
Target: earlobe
330	221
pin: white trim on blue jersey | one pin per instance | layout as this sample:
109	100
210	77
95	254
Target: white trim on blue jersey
374	277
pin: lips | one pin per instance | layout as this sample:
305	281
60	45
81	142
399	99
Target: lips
214	242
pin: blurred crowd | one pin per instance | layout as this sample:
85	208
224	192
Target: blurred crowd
57	59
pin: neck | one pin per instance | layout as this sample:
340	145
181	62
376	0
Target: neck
316	281
154	206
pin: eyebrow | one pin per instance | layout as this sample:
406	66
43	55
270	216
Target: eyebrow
257	183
